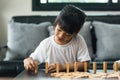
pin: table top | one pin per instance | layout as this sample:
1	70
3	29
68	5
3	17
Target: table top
42	76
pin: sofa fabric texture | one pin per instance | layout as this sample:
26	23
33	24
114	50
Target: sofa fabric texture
23	38
108	40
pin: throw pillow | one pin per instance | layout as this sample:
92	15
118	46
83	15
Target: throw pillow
85	32
51	30
108	40
23	38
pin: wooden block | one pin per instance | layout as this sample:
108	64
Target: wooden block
99	75
70	75
75	73
112	76
105	67
66	77
95	76
116	66
75	67
102	74
46	67
67	67
57	67
81	74
85	66
94	67
57	75
67	74
36	67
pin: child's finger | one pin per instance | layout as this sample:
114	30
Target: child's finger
30	66
52	70
51	67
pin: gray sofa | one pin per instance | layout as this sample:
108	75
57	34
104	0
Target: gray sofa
101	33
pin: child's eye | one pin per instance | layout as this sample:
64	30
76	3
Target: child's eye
59	29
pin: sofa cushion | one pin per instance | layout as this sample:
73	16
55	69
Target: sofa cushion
85	32
51	30
108	40
23	38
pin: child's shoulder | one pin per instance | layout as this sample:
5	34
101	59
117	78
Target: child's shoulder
80	37
47	40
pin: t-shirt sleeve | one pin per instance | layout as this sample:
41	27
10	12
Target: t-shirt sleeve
83	54
39	53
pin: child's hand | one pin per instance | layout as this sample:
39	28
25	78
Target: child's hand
52	68
29	64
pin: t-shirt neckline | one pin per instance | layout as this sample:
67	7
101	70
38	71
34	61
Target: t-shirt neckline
61	46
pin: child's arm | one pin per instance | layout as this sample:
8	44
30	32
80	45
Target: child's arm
30	64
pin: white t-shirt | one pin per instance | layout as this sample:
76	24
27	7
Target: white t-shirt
51	52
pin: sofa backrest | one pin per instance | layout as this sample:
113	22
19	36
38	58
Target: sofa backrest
113	19
33	19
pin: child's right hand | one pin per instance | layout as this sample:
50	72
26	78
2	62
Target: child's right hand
29	64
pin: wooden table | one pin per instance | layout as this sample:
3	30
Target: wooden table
6	78
42	76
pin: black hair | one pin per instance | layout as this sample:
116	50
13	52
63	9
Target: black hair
70	19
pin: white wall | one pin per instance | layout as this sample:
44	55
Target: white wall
9	8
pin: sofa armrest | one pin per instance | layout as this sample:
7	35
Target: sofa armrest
10	68
3	47
13	68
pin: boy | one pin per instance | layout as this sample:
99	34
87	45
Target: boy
65	45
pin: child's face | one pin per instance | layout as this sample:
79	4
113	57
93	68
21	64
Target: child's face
62	37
